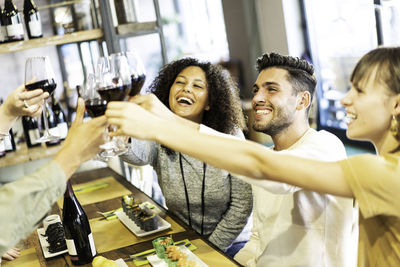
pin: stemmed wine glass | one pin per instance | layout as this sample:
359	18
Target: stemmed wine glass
114	85
39	75
137	71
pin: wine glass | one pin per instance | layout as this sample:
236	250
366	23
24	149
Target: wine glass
39	75
114	85
137	71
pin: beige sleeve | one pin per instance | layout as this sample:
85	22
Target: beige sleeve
375	183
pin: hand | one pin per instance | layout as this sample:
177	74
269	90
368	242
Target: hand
14	105
152	104
131	120
83	140
11	254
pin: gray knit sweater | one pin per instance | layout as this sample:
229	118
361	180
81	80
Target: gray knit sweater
228	201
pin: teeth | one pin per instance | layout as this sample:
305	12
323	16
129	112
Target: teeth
185	100
263	111
350	117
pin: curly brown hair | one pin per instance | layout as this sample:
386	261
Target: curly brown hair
225	114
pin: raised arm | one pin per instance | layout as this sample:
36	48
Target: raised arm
240	157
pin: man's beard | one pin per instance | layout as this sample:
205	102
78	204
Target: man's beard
279	122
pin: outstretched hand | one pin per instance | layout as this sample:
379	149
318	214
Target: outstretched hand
132	120
83	140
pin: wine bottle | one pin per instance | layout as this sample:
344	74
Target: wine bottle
52	123
9	142
3	29
2	149
31	131
78	235
15	29
32	19
60	118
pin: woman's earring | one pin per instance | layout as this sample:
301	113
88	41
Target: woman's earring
394	126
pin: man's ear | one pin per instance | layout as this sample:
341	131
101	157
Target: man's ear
304	100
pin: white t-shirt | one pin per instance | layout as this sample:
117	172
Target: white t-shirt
295	227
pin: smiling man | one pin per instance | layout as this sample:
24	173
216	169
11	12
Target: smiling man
292	226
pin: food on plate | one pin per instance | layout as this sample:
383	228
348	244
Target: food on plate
100	261
55	237
160	245
143	217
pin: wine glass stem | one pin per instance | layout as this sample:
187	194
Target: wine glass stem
46	124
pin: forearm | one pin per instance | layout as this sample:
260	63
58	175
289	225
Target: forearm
31	196
68	160
253	160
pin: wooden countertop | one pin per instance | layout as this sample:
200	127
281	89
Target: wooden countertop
23	154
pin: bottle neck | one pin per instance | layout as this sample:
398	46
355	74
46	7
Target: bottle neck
69	192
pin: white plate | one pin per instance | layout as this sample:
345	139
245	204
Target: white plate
161	225
45	245
155	261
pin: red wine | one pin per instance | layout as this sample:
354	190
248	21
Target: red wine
137	84
96	107
32	19
15	29
45	85
114	93
78	235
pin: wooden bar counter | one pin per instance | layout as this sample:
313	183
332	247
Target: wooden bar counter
112	239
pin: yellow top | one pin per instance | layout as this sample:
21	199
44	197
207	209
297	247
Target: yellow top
375	183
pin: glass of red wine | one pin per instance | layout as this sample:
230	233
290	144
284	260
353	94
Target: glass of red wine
114	85
39	75
137	71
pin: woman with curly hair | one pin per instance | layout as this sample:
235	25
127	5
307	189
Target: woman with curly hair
213	202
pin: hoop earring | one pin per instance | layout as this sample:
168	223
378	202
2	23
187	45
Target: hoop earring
394	126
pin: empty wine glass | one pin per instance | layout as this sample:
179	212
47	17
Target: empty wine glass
39	75
137	71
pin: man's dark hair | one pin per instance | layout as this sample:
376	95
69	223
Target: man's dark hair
301	73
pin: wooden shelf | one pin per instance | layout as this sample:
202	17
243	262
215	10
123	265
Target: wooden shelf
136	28
52	40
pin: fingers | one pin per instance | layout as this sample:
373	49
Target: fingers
80	111
11	254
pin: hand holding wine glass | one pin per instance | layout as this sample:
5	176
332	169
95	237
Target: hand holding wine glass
39	75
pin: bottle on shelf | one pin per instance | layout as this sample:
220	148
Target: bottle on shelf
78	235
9	142
52	123
32	19
15	29
3	29
2	149
61	119
31	131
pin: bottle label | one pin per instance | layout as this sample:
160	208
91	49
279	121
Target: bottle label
3	33
63	129
2	146
15	30
54	131
35	27
71	247
91	242
34	135
7	143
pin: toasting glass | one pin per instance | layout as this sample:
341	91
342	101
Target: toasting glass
39	75
114	85
137	71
